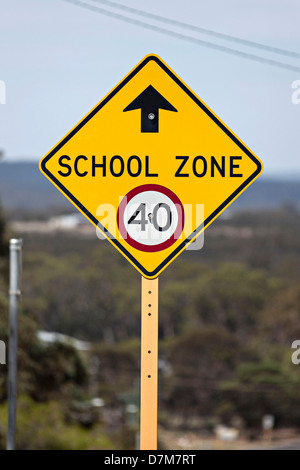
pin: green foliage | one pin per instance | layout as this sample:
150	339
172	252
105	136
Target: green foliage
118	368
44	372
176	301
210	344
269	386
281	318
75	295
55	371
233	296
42	427
199	360
227	317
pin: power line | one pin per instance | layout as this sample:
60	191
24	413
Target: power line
198	29
184	37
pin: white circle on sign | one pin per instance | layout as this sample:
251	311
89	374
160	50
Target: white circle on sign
150	218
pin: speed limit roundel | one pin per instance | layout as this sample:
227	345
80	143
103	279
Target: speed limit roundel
150	218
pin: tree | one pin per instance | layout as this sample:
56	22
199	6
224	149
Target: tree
263	387
233	296
199	361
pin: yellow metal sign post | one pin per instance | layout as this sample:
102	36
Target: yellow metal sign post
149	364
139	166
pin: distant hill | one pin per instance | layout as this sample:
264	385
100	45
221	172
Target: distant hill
24	189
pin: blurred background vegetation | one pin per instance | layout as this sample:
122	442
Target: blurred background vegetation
228	316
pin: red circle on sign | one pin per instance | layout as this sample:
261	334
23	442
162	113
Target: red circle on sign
120	217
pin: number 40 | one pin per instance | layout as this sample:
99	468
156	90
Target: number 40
153	217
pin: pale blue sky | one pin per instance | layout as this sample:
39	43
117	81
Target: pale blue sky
58	60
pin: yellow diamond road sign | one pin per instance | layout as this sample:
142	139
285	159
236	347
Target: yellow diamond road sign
151	166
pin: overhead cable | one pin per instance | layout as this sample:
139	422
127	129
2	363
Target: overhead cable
198	29
159	29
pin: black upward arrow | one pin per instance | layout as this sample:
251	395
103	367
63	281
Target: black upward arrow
149	101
